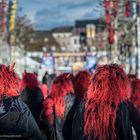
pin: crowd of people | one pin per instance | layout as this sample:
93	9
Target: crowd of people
103	105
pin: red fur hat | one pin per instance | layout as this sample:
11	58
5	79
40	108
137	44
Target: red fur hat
9	82
109	87
135	95
61	87
82	82
30	80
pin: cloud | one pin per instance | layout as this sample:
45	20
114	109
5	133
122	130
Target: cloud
50	13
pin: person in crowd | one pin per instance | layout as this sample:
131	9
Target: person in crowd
45	78
82	82
135	96
32	95
58	109
132	77
16	120
44	89
107	114
45	86
52	78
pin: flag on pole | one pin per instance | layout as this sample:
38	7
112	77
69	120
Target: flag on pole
2	17
12	20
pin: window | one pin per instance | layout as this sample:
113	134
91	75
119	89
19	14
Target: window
46	39
63	43
31	40
75	41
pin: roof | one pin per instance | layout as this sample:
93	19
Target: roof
64	29
83	23
39	42
41	34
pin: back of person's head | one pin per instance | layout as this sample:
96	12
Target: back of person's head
9	82
82	82
53	76
71	77
61	87
135	93
45	78
46	73
109	87
30	80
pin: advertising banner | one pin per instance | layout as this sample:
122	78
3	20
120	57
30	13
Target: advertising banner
91	61
48	63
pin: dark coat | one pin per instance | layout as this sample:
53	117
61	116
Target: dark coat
33	99
62	128
17	122
127	116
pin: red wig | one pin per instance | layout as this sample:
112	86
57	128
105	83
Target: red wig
9	82
30	80
82	80
61	87
109	87
135	96
72	78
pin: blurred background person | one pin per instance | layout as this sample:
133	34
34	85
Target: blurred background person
135	96
45	78
82	82
58	109
132	77
32	95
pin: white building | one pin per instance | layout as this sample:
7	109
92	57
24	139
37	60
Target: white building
67	39
75	43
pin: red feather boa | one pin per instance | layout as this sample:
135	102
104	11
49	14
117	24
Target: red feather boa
109	87
61	87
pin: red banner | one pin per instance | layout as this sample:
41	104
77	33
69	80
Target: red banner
107	4
2	17
127	10
108	17
111	35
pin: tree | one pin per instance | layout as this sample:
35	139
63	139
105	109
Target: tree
23	30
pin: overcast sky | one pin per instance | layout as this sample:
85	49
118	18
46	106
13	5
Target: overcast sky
46	14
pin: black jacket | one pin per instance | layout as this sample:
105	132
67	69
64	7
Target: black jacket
61	129
33	99
17	122
127	116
